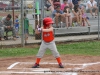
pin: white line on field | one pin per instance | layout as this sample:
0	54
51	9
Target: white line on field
10	72
43	70
63	63
5	72
11	66
68	73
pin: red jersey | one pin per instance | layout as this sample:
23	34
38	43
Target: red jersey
48	36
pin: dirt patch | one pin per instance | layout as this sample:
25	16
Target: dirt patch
72	63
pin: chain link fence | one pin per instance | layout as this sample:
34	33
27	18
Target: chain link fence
62	34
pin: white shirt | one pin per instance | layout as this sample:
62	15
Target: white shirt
91	4
69	1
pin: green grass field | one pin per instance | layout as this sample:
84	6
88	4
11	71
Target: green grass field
79	48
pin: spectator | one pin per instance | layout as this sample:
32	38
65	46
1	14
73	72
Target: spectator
49	5
58	15
65	3
8	26
77	15
92	7
68	16
17	26
26	27
84	17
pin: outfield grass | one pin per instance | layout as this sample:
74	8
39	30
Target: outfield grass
80	48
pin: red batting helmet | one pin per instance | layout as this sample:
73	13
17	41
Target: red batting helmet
47	21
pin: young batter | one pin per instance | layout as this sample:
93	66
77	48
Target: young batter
47	42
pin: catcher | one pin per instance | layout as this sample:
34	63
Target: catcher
47	42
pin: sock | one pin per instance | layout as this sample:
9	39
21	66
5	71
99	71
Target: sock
58	60
38	60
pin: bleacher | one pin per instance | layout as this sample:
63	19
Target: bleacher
76	29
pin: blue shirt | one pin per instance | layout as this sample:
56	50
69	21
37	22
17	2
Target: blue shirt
55	11
16	25
75	2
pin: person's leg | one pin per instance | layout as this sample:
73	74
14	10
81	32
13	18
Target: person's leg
74	19
57	20
2	33
80	19
77	19
83	21
13	33
6	30
51	8
40	54
95	11
55	53
66	19
17	30
26	34
90	9
62	17
87	21
70	20
67	22
26	37
41	51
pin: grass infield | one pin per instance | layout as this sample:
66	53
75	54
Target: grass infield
78	48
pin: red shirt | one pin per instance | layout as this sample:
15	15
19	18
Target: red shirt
48	36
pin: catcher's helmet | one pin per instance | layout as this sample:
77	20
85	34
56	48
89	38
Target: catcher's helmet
47	21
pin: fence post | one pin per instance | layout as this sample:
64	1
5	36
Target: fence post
22	25
98	3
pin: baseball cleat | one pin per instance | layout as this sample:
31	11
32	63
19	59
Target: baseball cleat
36	65
61	66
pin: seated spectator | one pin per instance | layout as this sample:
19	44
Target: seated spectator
92	7
68	16
65	3
58	15
16	24
84	17
49	5
8	26
77	15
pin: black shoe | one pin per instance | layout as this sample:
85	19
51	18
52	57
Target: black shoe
61	66
36	65
6	37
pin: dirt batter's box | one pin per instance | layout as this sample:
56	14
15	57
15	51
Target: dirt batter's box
52	68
